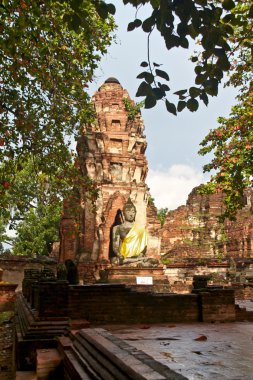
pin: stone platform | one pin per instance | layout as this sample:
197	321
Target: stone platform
97	354
33	332
127	275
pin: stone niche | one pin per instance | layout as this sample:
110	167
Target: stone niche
111	152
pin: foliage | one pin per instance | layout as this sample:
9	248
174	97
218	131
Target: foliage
232	145
36	204
161	214
4	238
132	109
6	316
37	231
212	24
49	51
232	141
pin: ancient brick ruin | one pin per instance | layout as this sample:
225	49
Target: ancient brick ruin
193	231
112	153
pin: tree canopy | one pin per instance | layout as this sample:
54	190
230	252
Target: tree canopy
49	51
232	141
232	145
219	28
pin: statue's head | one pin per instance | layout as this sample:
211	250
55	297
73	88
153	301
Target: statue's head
129	211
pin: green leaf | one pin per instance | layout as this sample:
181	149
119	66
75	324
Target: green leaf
180	92
155	3
171	107
144	89
204	98
131	26
219	52
156	64
162	74
229	29
198	69
192	105
251	11
102	10
159	93
147	76
150	101
201	2
184	43
194	92
218	73
137	23
223	63
194	59
144	64
164	87
76	22
192	31
181	105
211	86
200	79
111	9
148	24
228	5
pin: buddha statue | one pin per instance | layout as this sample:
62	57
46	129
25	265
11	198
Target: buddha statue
129	241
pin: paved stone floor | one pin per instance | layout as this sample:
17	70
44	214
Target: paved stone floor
219	351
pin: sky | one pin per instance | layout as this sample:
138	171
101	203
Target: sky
173	141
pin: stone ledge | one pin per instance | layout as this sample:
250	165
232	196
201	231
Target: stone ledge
98	353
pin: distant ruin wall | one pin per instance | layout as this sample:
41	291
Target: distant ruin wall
194	230
14	267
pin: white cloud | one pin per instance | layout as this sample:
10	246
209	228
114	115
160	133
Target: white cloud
170	187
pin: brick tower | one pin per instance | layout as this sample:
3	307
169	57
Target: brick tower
112	153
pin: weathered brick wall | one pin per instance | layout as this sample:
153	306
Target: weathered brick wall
217	305
51	298
194	231
118	304
244	292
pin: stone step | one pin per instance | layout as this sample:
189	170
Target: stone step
48	362
26	375
34	333
30	327
97	354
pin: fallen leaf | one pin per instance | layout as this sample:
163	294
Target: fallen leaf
168	355
201	338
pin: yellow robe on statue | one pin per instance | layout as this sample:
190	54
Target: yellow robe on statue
135	242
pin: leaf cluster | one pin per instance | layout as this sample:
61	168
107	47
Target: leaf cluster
49	51
37	231
232	145
132	109
162	214
211	24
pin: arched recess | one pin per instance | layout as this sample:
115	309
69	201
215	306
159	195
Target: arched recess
116	202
